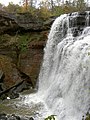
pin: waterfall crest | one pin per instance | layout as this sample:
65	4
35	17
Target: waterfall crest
64	80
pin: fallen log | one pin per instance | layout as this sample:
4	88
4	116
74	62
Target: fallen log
14	86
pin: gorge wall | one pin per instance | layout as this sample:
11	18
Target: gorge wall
22	39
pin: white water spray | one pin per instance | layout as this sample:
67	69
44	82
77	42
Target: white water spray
65	74
64	80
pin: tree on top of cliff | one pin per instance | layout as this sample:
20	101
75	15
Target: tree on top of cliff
12	8
46	8
29	3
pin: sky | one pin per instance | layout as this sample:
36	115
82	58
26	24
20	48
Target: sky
5	2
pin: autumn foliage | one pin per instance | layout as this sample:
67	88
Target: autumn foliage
47	8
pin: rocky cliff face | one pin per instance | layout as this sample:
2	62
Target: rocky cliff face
7	23
11	23
20	68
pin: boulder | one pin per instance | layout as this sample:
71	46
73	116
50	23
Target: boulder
4	116
14	81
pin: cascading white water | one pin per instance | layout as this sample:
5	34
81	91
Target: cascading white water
64	80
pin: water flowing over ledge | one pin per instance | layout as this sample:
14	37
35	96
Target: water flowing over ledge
64	80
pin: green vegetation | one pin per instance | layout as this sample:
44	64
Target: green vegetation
51	117
12	8
88	53
20	43
87	116
46	8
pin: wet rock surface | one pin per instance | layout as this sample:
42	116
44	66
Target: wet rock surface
78	21
4	116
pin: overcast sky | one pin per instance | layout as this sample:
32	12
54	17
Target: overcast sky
5	2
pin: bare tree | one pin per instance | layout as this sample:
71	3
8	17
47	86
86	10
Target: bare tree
52	4
31	3
26	4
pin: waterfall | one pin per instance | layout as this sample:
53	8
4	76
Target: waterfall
64	80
